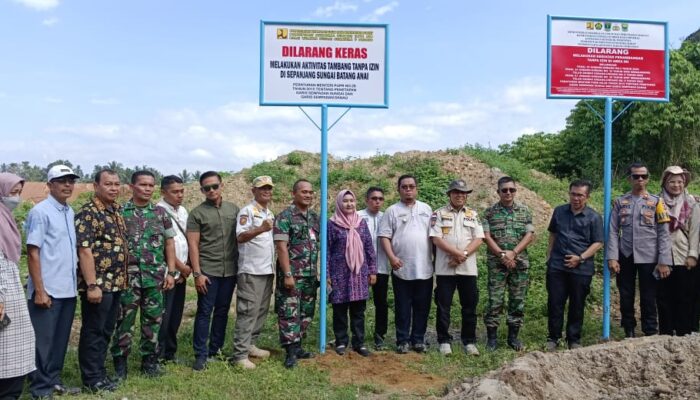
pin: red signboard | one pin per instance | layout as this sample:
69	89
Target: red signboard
589	58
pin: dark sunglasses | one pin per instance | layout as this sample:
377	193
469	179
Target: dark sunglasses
408	187
209	188
375	198
640	176
63	181
507	190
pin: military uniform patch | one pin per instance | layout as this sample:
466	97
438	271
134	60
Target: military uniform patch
243	220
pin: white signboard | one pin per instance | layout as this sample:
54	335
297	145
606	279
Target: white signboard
316	64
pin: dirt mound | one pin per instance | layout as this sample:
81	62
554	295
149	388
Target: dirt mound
388	372
658	367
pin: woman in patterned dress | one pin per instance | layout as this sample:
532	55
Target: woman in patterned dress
17	337
351	268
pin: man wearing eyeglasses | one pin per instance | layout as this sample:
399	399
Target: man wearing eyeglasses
575	235
373	215
508	230
52	286
639	244
211	238
404	237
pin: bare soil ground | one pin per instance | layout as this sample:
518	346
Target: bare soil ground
657	367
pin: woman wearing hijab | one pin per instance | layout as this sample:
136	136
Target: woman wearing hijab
352	268
16	332
676	294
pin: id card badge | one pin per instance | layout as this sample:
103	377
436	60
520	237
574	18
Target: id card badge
312	235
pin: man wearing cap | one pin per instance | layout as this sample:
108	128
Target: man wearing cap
639	244
457	234
256	254
211	238
404	237
508	230
151	270
575	235
52	286
102	253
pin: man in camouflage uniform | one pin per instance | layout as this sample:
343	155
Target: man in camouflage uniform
150	236
296	236
508	230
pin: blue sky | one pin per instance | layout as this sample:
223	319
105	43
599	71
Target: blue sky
174	84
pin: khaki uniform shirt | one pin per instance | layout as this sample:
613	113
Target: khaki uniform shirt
458	228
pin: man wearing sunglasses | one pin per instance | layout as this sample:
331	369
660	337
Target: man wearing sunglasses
373	215
639	243
52	286
211	238
508	230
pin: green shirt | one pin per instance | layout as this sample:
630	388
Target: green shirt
218	248
301	232
507	225
147	229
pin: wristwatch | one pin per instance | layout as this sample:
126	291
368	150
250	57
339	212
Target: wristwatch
581	258
466	253
92	286
288	274
196	274
503	254
175	274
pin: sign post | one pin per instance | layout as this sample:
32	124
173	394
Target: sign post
610	59
324	65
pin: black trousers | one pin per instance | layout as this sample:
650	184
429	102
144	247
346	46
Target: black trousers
11	388
172	317
626	284
52	330
357	323
411	308
468	299
380	293
675	300
212	308
563	286
98	326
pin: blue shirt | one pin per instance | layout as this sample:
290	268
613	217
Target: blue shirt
575	233
50	227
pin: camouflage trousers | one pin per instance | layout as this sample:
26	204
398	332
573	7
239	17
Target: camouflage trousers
150	301
516	281
295	308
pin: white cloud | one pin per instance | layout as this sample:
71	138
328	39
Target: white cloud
53	100
524	90
201	153
109	101
51	21
379	12
39	5
338	7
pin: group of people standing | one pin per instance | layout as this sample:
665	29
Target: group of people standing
135	258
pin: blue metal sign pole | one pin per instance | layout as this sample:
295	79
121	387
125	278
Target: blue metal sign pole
607	182
324	224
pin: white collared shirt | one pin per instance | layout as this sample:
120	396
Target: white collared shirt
256	256
179	219
373	221
408	228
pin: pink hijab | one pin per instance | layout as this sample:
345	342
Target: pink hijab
10	239
354	251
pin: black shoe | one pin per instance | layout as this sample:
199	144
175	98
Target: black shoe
167	359
513	341
629	333
105	385
151	368
363	351
419	347
340	349
290	361
61	390
120	368
302	354
379	345
199	364
491	338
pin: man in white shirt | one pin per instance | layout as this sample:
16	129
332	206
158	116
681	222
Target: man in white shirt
373	217
404	238
172	191
256	255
